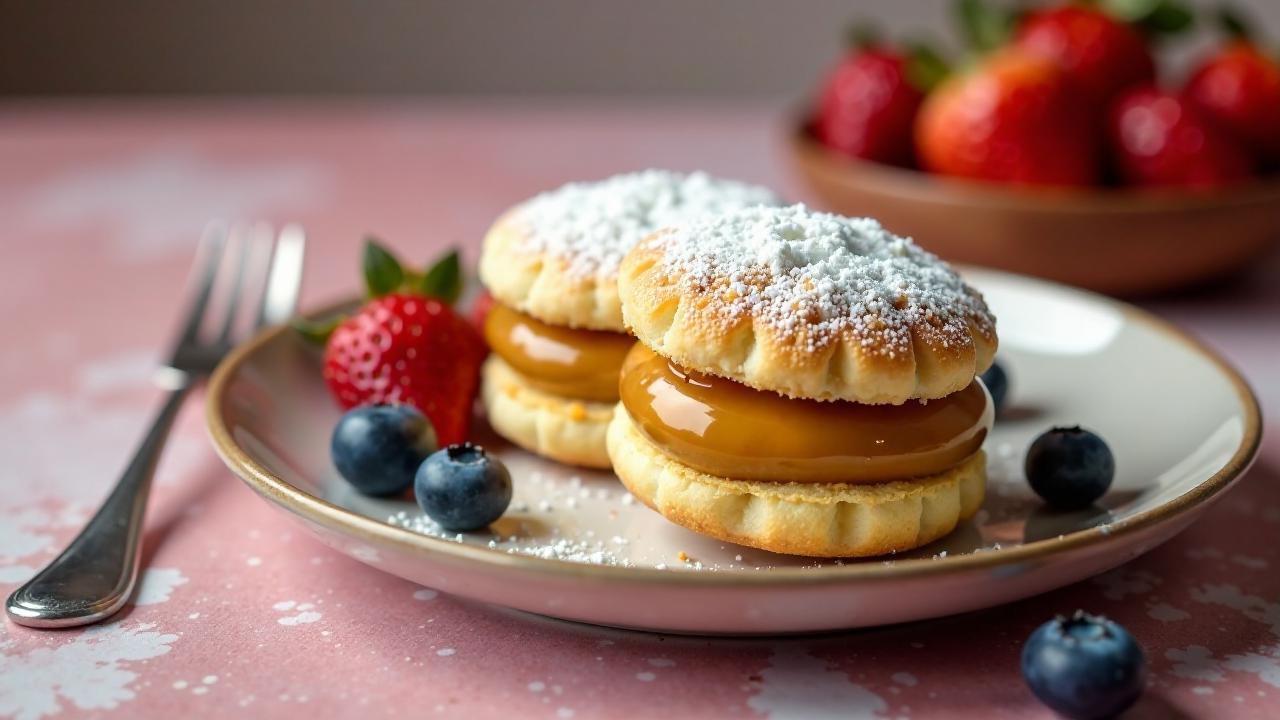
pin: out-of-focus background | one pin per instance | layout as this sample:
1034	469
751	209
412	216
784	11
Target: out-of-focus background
484	47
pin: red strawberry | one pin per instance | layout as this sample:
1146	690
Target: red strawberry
1099	54
403	348
406	345
1239	88
1014	118
868	105
1158	138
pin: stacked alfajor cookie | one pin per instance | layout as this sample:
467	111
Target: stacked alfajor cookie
803	383
556	330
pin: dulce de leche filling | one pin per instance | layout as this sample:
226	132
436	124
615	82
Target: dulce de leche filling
579	364
727	429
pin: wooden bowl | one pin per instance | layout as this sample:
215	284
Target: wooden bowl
1117	241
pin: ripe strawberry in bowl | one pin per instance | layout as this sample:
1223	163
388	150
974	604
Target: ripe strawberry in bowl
867	106
406	345
1013	118
1238	87
1159	138
1100	54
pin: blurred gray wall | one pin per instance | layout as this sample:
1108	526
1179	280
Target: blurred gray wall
668	47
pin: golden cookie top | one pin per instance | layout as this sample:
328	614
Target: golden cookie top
556	256
807	304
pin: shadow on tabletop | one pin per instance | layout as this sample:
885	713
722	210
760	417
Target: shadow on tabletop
164	517
162	520
160	523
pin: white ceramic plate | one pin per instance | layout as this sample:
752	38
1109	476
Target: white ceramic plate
1182	424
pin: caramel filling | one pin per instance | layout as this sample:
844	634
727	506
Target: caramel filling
727	429
579	364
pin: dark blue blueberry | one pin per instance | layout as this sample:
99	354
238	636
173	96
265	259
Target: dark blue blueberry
1069	467
463	488
378	448
1084	667
997	382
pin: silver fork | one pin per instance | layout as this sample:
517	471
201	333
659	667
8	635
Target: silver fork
95	576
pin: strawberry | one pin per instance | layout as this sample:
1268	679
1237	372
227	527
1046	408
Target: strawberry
1239	88
1159	138
868	104
1099	54
406	345
1013	118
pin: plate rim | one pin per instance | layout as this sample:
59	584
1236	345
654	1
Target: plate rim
334	517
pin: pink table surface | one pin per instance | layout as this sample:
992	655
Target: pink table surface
240	613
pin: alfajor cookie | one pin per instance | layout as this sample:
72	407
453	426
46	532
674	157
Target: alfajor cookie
803	383
556	330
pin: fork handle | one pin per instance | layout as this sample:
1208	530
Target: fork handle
96	574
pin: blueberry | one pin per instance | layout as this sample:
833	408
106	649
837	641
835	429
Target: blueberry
378	448
1084	667
1069	467
997	382
463	488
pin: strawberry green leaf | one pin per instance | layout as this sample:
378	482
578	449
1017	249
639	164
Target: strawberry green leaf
1157	17
985	27
925	67
443	280
1169	18
1233	22
382	272
316	331
1130	10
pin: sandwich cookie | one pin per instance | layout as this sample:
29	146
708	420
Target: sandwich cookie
556	330
804	383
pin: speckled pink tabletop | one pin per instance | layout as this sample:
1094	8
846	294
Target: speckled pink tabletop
240	614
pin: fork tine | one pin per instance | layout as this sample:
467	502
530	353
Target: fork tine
284	278
209	253
243	238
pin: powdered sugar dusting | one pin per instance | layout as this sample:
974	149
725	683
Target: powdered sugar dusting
586	550
593	225
815	276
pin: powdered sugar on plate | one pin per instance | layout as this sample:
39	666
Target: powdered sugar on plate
590	551
593	225
814	276
587	517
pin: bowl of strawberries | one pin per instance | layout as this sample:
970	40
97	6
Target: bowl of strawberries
1056	149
